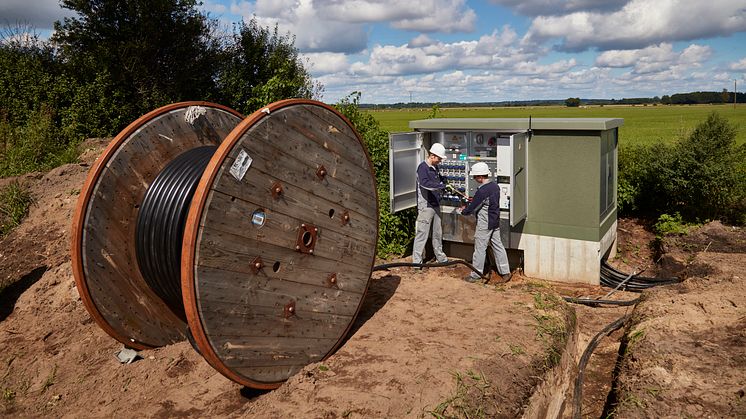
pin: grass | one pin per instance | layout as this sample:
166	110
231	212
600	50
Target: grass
49	382
468	399
551	327
642	124
15	200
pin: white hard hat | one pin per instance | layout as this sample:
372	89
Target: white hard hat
480	169
438	150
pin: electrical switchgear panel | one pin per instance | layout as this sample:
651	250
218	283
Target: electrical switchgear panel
503	152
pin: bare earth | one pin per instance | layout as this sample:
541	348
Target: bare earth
425	344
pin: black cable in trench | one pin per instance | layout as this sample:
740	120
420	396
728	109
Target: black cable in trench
578	391
387	266
594	303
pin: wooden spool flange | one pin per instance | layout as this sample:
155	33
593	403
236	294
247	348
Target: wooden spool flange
278	245
103	233
256	260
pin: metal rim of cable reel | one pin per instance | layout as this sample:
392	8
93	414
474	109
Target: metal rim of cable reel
279	236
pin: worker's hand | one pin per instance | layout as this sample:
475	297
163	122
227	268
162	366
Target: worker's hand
450	188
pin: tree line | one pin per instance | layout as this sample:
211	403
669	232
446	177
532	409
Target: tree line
115	61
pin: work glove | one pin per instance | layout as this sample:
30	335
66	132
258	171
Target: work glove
450	188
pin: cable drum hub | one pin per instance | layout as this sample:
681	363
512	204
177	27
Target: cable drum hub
160	223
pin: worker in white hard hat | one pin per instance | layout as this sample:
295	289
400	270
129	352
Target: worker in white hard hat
430	185
486	207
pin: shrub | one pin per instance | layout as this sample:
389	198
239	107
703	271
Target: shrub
670	224
15	200
701	177
34	146
395	231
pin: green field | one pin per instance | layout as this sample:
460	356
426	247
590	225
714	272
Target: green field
642	124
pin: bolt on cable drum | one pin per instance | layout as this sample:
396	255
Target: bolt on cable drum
255	237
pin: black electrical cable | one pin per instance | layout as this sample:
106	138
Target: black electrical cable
160	223
387	266
592	302
578	391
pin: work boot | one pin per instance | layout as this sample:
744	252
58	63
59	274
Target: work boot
473	279
506	277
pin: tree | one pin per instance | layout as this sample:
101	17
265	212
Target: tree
260	66
725	96
572	102
143	53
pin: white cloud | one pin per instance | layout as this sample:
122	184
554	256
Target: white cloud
494	51
559	7
641	23
320	63
655	59
738	65
421	40
40	15
437	16
342	25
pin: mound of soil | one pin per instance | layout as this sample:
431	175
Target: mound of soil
685	355
424	342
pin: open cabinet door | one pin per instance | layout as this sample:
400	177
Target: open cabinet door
405	154
518	178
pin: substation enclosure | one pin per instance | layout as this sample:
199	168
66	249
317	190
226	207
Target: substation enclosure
252	237
557	178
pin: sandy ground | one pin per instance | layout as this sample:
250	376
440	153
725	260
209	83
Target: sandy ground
425	344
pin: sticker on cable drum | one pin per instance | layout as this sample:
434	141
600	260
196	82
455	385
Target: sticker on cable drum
241	165
258	218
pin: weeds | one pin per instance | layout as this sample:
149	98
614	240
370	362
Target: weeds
633	338
50	380
15	200
8	395
469	399
516	349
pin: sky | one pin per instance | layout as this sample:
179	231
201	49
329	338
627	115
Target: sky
492	50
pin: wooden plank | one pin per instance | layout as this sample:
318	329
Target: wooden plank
239	289
272	325
271	351
299	203
329	131
235	217
301	174
235	253
301	152
290	131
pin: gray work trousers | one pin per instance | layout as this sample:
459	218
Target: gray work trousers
426	218
482	238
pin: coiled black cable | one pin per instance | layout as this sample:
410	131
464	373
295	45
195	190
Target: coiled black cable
160	223
613	278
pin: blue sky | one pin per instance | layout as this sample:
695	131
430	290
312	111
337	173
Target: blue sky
494	50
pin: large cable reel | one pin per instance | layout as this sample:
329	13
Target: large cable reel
255	236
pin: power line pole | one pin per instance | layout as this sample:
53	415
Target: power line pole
735	92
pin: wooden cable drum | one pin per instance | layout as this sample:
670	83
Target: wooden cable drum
278	242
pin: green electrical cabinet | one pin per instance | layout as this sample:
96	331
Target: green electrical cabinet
558	178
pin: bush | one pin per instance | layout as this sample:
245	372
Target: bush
701	177
34	146
670	224
15	200
395	231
